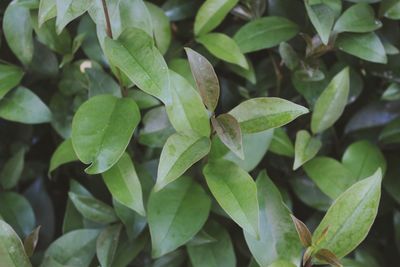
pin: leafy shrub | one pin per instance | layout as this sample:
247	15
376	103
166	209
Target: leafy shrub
199	133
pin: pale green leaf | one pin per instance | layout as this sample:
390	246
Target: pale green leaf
106	244
263	113
64	154
162	28
306	147
176	214
68	10
101	130
331	103
357	18
322	17
179	153
236	192
47	10
281	143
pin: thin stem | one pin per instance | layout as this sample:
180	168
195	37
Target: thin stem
124	92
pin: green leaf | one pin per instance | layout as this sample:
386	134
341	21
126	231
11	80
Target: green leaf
363	158
390	9
179	153
162	28
134	223
265	33
278	236
308	192
211	14
392	93
331	103
214	254
205	77
281	263
330	175
92	208
281	143
101	130
106	244
124	184
236	192
357	18
366	46
228	130
75	248
12	169
186	110
17	211
391	133
135	54
10	76
306	147
18	30
31	241
64	154
47	10
101	83
176	214
350	217
22	105
322	17
289	55
11	249
263	113
68	10
223	47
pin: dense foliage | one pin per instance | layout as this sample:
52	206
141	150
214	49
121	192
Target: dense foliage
216	133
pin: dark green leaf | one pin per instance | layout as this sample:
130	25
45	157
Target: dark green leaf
12	169
358	18
10	76
281	143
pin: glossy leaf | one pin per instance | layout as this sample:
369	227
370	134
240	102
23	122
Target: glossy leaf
214	254
75	248
205	77
211	14
331	103
228	130
68	10
10	76
223	47
11	249
236	193
22	105
124	184
306	147
92	208
176	214
179	153
263	113
47	10
64	154
18	30
106	244
135	54
187	111
265	33
330	175
366	46
278	237
101	130
359	203
358	18
363	158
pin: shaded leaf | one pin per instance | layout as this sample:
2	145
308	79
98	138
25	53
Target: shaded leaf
106	244
302	231
12	169
10	76
64	154
306	147
281	143
68	10
358	18
31	241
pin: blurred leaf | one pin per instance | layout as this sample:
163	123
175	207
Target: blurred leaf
302	231
392	92
162	29
68	10
391	133
179	153
289	56
281	143
390	9
359	203
106	244
331	103
135	54
134	223
101	83
47	10
366	46
264	33
31	241
124	184
22	105
10	76
176	214
307	191
180	9
211	14
263	113
236	192
76	248
12	169
358	18
278	237
18	30
11	248
223	47
306	147
205	77
101	130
